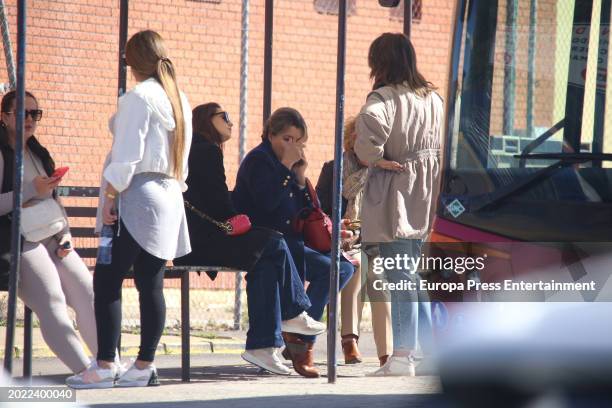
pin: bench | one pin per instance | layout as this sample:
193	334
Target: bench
86	245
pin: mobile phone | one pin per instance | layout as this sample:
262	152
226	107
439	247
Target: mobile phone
59	172
66	245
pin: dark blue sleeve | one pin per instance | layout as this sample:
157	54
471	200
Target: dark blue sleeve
267	183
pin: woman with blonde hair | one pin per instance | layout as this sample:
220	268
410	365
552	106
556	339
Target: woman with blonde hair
141	197
271	187
354	176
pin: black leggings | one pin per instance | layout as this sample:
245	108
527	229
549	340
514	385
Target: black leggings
108	279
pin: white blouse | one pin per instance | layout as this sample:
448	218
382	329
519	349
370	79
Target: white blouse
139	166
143	135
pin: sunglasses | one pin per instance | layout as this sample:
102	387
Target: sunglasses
226	117
35	114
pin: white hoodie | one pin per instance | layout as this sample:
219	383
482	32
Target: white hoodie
143	135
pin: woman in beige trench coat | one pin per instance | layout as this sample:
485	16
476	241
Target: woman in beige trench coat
399	136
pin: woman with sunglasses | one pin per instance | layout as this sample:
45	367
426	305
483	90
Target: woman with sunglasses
275	294
52	275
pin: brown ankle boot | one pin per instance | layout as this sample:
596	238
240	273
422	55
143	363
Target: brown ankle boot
301	355
350	349
383	359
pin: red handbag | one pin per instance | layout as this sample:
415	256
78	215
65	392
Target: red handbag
236	225
240	224
314	224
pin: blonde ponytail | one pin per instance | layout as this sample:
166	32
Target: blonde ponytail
167	79
146	54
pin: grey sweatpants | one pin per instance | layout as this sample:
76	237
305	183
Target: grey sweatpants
47	285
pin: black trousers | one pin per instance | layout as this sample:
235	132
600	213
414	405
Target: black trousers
149	278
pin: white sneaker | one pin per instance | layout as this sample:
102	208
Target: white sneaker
427	366
135	377
121	367
266	358
93	377
303	324
395	367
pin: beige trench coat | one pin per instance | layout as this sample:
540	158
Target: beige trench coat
396	124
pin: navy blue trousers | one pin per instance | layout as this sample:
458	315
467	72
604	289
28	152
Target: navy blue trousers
317	266
275	292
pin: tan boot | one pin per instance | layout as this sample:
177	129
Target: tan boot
301	355
350	349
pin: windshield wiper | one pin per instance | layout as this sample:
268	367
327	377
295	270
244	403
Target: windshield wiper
541	139
575	157
564	160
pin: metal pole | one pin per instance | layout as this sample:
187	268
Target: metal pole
17	187
510	66
601	82
8	49
244	93
123	31
533	18
336	204
407	17
244	78
27	344
268	41
122	74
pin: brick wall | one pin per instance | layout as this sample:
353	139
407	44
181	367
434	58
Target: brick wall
72	66
545	57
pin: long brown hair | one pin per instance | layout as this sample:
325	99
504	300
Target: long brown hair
146	53
392	61
202	123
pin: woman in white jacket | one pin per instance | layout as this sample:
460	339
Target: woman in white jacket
141	197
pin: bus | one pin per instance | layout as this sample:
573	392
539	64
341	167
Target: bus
527	180
528	146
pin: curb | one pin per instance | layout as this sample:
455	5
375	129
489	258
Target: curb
218	346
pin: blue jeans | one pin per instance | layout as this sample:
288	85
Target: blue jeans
410	310
275	292
317	273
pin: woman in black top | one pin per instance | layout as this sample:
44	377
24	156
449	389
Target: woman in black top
275	293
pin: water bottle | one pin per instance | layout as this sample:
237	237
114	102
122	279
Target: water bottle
106	245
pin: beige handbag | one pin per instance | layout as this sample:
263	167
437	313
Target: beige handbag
42	220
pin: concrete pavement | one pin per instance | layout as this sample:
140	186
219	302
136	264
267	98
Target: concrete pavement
225	380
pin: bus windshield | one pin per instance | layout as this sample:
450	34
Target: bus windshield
529	148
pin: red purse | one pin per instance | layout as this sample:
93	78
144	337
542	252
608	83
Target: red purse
314	224
236	225
239	224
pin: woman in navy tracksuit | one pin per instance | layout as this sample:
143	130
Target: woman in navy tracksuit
271	189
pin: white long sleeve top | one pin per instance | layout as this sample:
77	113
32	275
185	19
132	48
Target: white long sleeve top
143	135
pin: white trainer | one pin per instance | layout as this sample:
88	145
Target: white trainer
93	377
135	377
266	358
304	324
395	367
427	366
121	367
